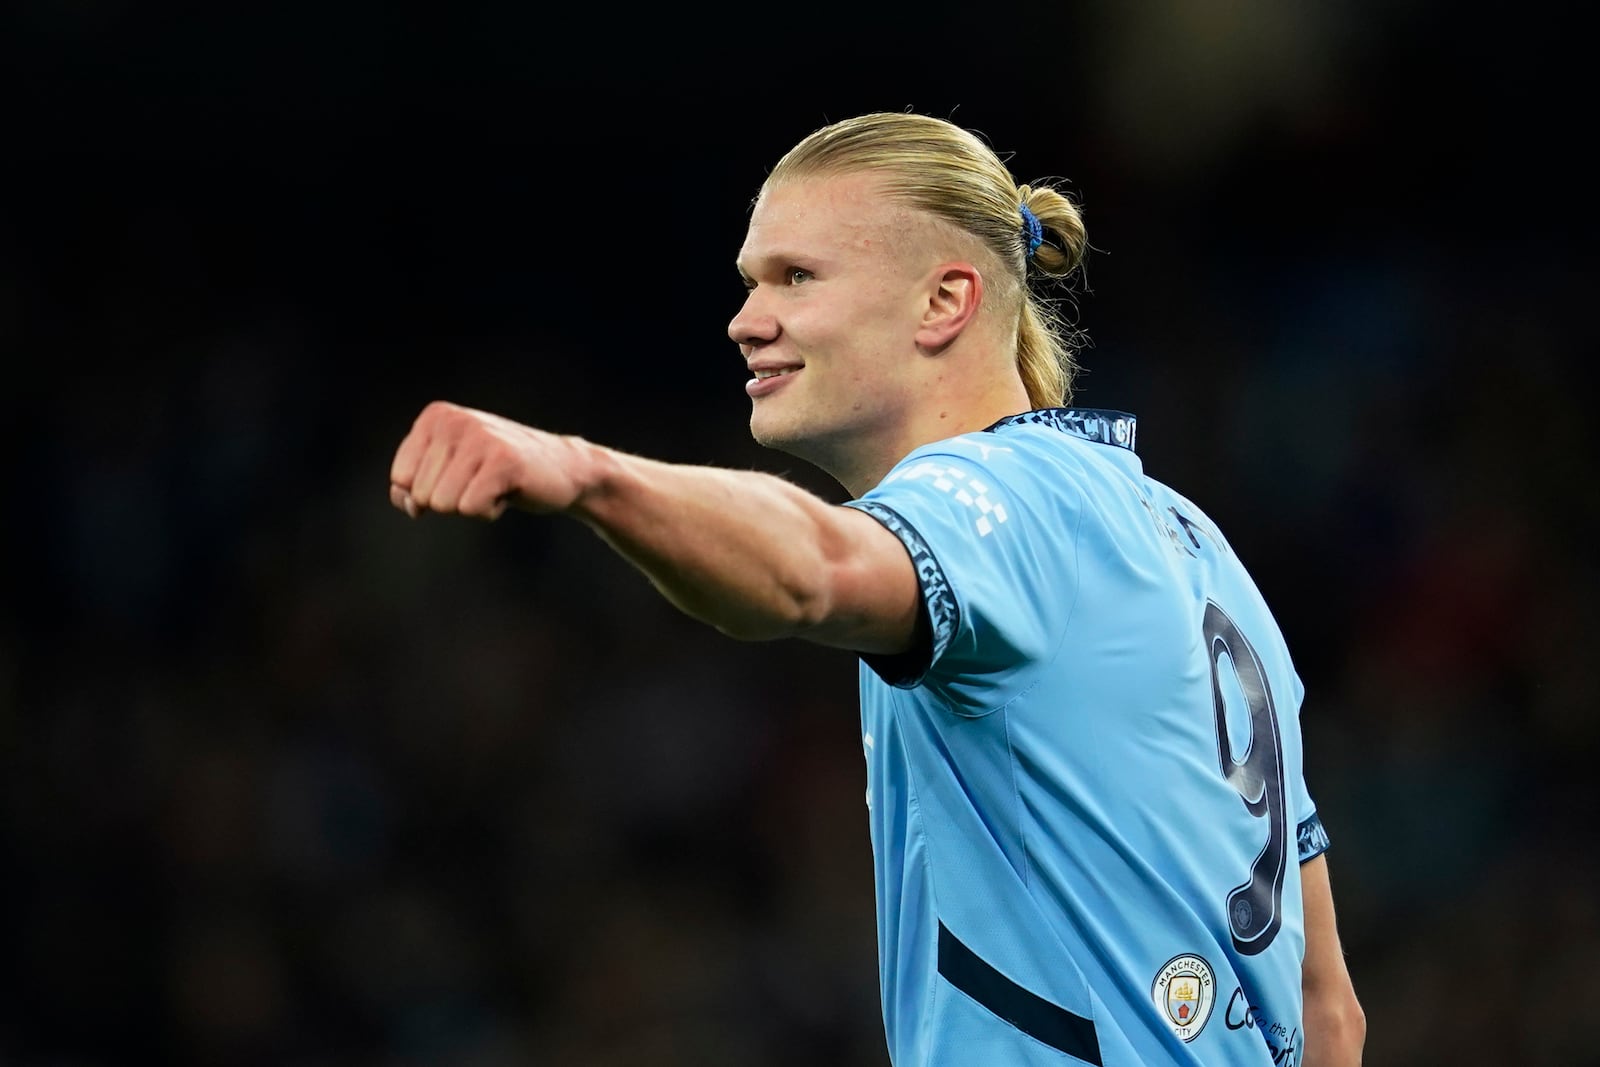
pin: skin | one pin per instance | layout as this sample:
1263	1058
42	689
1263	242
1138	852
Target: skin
1335	1026
880	307
898	341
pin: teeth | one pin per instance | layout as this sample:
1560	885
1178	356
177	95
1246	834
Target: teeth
763	374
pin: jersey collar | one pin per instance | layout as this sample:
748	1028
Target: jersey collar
1103	426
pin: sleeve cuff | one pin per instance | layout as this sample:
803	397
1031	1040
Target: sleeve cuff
1312	838
941	612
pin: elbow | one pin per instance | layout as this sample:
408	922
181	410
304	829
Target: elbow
793	611
765	628
1336	1033
1350	1033
1355	1027
797	603
815	595
788	612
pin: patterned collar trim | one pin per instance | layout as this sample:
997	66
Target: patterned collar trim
1101	425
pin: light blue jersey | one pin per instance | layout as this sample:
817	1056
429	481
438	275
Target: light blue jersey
1086	796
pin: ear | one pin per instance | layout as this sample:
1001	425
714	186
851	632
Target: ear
955	292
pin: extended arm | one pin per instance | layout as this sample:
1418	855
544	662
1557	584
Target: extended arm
748	553
1335	1026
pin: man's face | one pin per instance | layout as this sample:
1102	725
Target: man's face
828	328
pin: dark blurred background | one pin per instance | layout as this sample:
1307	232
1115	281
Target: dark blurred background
291	780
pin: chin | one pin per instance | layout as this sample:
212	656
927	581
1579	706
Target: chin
769	435
779	433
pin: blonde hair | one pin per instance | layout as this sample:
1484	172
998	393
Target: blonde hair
940	168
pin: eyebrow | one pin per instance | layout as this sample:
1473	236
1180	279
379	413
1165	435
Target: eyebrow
782	255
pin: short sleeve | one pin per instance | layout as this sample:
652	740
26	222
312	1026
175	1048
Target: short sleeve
1311	838
995	560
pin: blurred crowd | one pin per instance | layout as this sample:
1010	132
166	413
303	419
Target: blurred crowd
292	780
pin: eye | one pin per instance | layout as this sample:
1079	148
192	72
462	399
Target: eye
796	275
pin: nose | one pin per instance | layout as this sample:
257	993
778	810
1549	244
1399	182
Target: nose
753	327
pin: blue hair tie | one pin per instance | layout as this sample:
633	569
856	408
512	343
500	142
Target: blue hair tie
1031	228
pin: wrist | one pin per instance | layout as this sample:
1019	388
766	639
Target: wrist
593	469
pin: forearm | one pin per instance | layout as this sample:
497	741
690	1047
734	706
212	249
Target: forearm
1335	1026
748	553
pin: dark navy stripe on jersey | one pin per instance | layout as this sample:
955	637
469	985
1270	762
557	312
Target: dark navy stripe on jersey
1032	1014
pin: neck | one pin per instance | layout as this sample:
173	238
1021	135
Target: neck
863	464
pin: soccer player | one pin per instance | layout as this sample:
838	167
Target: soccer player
1092	838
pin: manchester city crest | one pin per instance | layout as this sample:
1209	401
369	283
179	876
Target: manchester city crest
1184	991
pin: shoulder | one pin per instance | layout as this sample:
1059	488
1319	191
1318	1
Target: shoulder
974	472
1015	459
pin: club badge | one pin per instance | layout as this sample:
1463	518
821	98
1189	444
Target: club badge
1184	992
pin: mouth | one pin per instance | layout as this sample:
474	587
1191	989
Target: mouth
769	379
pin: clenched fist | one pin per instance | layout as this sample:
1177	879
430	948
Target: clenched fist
462	460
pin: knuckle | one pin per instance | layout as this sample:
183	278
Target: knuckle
435	412
497	453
